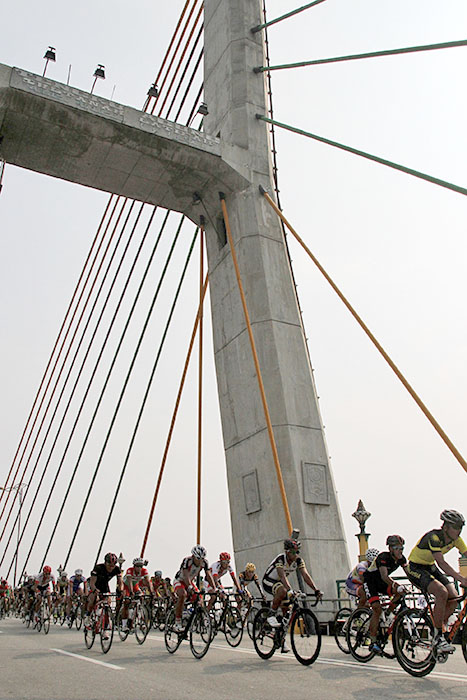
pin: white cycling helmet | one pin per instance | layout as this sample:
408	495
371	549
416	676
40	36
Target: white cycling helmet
198	552
138	561
371	554
78	572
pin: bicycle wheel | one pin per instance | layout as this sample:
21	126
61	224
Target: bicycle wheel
45	614
123	632
233	627
200	633
340	628
106	629
141	624
265	638
90	632
305	636
358	635
250	620
172	638
78	617
464	640
412	638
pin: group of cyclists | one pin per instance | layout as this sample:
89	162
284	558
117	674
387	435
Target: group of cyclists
425	567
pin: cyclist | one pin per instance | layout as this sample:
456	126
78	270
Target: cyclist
276	583
246	577
4	596
170	588
354	581
42	585
99	581
377	581
423	572
136	576
219	569
77	586
61	588
184	585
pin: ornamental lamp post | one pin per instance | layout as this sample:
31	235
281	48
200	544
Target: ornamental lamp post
361	515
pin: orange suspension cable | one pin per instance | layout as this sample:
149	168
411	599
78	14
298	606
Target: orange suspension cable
173	57
200	379
181	58
258	370
379	347
174	416
51	356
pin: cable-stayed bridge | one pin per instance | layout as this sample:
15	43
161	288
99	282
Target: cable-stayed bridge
240	128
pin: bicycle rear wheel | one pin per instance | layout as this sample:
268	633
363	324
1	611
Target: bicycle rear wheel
305	636
233	628
358	635
172	638
123	632
106	629
412	638
264	636
200	633
340	628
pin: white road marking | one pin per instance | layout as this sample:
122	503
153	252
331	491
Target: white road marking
336	662
86	658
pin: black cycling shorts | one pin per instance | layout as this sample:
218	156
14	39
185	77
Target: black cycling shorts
421	575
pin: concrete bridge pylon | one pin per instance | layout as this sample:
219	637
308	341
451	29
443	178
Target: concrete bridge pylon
234	95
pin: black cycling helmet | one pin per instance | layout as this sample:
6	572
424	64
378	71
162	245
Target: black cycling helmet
395	541
454	518
110	558
292	544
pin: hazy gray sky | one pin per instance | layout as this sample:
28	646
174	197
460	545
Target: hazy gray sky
395	245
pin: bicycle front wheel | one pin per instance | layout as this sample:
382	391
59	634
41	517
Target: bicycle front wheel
200	633
233	627
412	638
78	617
305	636
264	636
341	621
464	640
106	629
141	624
45	614
358	635
90	632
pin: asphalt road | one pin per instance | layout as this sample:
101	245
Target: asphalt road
34	666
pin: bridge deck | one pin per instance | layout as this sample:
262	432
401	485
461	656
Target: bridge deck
59	666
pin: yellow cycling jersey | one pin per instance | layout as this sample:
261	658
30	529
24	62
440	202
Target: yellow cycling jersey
434	541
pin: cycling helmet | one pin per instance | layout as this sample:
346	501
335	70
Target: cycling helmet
30	578
198	551
371	554
110	558
395	541
78	572
64	574
138	561
224	556
250	568
292	544
158	574
47	570
454	518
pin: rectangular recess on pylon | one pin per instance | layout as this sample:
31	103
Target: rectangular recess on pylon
315	484
251	492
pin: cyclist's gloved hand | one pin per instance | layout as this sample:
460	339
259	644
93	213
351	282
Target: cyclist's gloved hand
318	594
